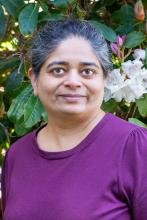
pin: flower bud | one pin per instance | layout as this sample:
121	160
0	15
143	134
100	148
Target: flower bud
120	40
139	11
120	54
114	48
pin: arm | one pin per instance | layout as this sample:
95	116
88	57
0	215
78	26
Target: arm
133	173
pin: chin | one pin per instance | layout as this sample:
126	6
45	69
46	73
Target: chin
73	110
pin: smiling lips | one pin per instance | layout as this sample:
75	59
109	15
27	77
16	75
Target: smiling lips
72	97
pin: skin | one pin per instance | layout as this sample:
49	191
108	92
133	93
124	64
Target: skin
71	88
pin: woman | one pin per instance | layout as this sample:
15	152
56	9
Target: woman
84	164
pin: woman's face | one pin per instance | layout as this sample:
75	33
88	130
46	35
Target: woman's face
71	80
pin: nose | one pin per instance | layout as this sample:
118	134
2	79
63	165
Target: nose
73	79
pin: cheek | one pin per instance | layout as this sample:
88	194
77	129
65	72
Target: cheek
46	90
96	87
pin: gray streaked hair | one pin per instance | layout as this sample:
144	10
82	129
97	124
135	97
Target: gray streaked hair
55	32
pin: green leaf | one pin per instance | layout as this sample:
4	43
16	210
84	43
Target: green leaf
16	109
124	16
110	106
3	21
13	81
28	19
137	122
127	14
3	136
144	3
19	89
100	4
108	33
134	39
33	111
12	6
142	106
10	63
44	116
62	3
43	17
55	16
124	29
116	16
80	12
108	2
20	128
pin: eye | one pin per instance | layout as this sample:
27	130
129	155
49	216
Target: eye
58	71
88	72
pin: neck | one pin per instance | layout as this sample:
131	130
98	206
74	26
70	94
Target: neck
68	123
65	133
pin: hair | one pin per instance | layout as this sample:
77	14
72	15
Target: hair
55	32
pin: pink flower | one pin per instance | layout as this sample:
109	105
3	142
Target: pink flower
120	54
139	11
114	48
120	40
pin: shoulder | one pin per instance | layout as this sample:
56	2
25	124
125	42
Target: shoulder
120	126
137	141
21	146
122	135
129	139
132	165
133	155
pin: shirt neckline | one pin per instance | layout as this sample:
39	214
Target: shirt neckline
67	153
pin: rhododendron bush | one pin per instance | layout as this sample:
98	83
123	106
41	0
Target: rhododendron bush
124	26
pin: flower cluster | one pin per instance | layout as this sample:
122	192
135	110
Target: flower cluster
129	82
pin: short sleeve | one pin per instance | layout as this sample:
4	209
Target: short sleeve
4	181
133	173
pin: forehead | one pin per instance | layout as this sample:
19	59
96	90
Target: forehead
74	49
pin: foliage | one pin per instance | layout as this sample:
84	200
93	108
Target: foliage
20	110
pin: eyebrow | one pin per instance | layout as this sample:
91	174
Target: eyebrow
66	63
89	64
57	63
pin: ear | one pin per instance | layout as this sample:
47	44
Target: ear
33	79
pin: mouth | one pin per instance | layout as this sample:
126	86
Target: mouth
72	97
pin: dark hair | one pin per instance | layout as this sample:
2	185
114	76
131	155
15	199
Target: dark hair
49	38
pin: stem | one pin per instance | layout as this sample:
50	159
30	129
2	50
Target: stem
131	112
134	110
19	68
128	113
129	52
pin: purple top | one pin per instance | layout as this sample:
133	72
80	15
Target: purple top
102	178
